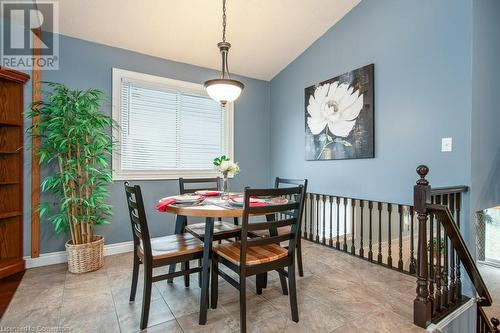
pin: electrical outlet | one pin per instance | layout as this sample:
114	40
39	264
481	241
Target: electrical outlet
446	144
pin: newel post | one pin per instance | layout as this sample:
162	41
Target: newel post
422	306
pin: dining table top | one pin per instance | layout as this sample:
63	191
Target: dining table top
211	207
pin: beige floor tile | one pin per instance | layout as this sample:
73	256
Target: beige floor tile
96	323
218	321
129	315
339	293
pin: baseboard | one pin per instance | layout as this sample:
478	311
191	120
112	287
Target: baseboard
60	257
439	327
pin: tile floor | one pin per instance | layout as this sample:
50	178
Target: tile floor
339	293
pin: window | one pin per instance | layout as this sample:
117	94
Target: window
167	128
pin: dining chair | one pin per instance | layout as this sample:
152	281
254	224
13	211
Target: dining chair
284	182
222	230
259	255
157	252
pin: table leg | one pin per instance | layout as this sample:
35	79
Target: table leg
207	249
180	224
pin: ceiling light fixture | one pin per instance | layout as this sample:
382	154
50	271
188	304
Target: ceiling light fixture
224	89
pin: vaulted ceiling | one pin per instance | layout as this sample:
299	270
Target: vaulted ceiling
266	35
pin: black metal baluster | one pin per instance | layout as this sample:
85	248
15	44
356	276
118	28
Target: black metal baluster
344	247
337	243
361	250
413	261
311	213
353	206
330	242
379	257
458	202
435	265
370	242
400	261
324	220
389	239
317	218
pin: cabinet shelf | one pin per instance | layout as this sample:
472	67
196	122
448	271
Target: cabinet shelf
11	170
13	182
11	123
14	213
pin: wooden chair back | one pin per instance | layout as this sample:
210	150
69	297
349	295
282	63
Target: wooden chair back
288	182
198	184
289	211
140	230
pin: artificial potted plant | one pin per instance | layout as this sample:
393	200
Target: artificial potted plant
75	139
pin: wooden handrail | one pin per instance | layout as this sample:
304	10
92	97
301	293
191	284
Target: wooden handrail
444	216
449	189
436	295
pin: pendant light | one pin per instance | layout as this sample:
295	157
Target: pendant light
224	89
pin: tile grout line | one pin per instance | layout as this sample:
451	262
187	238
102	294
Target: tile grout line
168	306
59	318
113	298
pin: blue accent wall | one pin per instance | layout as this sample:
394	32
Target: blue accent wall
422	56
485	116
85	64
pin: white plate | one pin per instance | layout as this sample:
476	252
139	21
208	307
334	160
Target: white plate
203	192
187	198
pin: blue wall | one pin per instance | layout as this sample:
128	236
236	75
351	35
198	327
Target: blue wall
485	175
84	65
422	56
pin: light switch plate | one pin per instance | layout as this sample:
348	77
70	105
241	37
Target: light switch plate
446	144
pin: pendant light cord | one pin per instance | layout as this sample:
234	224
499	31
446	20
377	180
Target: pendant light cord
223	20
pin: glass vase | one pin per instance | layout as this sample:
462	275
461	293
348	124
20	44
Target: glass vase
225	187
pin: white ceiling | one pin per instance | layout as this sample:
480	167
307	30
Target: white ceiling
266	35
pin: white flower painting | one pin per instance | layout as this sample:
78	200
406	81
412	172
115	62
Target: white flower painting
339	117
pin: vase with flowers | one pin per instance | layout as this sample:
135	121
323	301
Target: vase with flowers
226	167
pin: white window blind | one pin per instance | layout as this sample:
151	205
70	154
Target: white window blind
167	130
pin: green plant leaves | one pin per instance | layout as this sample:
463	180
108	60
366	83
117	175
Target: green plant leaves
76	142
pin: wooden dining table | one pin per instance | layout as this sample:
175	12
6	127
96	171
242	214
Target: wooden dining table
211	209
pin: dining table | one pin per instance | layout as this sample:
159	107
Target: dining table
211	208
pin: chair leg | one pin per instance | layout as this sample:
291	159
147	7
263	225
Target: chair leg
260	280
146	297
299	257
199	274
214	295
135	277
243	304
293	293
186	277
283	283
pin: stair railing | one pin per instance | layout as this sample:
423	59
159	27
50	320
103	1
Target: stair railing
438	290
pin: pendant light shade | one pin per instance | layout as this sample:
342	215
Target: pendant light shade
224	89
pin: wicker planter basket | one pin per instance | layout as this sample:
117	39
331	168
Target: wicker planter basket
84	258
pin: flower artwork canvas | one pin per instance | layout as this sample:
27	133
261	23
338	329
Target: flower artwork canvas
340	118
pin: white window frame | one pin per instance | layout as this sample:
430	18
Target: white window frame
153	80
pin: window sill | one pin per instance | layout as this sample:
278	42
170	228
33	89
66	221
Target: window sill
162	175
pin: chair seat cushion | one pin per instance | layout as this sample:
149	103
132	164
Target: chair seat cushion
220	228
255	255
174	245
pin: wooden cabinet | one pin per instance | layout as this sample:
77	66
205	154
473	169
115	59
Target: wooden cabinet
11	171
